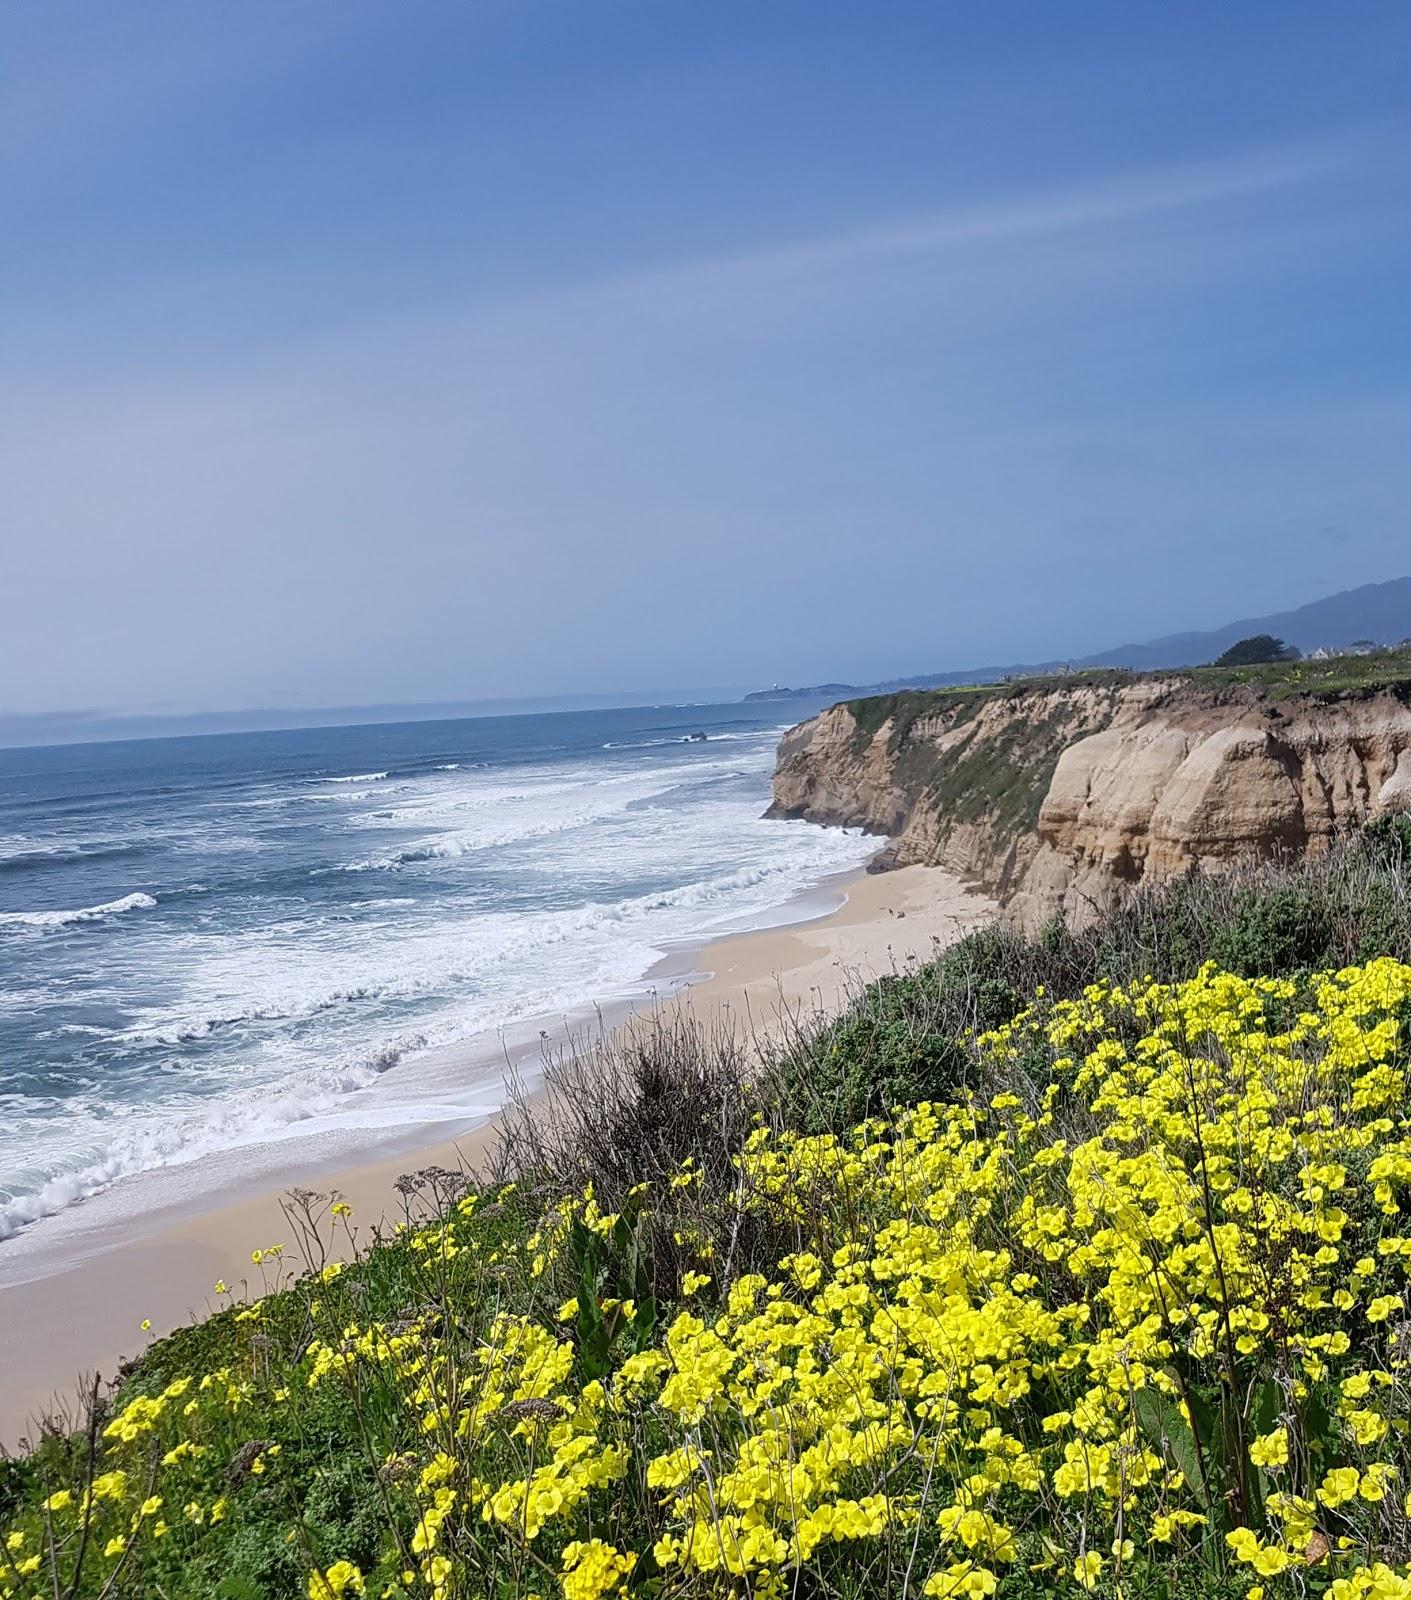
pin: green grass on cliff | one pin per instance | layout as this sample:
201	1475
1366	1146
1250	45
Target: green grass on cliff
1003	780
1278	680
1339	675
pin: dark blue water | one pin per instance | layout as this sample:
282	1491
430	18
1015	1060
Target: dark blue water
204	940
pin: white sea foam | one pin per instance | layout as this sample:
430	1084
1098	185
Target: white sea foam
107	1148
645	744
491	966
454	846
359	777
490	816
682	738
63	919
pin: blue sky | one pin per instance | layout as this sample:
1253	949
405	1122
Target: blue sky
363	352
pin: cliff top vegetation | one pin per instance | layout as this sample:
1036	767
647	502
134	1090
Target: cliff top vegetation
1272	680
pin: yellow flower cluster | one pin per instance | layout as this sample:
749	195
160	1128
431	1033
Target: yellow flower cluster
1142	1296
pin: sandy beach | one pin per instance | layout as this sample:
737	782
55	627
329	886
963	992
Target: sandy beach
73	1301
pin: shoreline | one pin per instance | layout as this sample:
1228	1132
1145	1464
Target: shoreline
459	1087
73	1298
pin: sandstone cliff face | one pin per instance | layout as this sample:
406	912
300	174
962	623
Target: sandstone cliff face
1059	798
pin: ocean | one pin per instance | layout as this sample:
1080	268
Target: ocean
210	942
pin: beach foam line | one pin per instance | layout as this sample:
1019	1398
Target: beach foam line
178	1139
64	919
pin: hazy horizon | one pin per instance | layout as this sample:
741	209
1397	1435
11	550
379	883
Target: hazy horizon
173	719
440	355
98	726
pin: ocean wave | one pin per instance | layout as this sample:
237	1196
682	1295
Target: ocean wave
293	1006
451	848
558	958
563	809
722	890
60	853
683	738
456	846
645	744
64	919
474	816
359	777
188	1134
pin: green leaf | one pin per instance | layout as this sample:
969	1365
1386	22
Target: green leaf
235	1587
1161	1421
1320	1430
644	1324
593	1337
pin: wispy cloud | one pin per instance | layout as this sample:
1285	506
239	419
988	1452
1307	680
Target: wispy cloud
1104	200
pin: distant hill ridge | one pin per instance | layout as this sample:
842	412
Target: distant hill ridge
1380	612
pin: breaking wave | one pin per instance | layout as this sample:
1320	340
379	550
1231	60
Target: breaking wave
64	919
176	1140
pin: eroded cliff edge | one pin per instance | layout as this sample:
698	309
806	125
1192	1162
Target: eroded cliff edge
1058	796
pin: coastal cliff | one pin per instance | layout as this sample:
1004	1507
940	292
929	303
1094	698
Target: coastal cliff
1057	796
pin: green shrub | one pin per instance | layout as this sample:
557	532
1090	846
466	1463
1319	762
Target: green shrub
1285	929
887	1048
